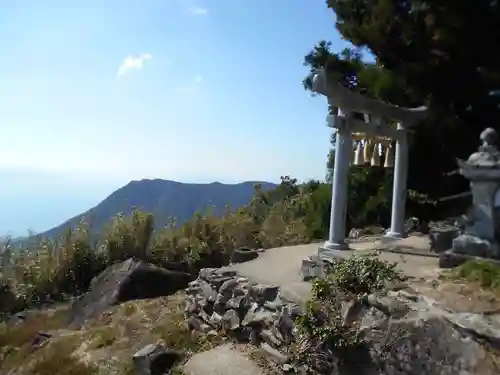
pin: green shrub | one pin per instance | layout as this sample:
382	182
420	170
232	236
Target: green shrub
322	330
128	236
363	274
318	214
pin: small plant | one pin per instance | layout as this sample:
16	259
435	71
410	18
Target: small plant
323	336
325	340
363	274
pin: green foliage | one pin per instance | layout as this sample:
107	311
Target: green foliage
370	195
363	274
421	50
317	218
321	332
322	328
429	46
370	189
129	236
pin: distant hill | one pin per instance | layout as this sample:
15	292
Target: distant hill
165	199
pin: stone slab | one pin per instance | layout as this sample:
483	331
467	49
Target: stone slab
222	360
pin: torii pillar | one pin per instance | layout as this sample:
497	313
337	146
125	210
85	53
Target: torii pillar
348	103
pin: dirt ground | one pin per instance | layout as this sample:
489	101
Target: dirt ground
459	296
104	346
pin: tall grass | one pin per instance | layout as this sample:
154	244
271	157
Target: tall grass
55	270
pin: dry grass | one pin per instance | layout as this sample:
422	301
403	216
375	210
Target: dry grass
22	333
260	359
485	273
104	345
53	357
471	287
58	359
104	337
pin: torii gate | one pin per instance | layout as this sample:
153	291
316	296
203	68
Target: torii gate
349	102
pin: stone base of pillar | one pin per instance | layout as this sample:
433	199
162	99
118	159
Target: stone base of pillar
338	245
392	236
328	250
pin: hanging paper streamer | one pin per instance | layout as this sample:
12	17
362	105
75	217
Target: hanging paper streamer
358	154
375	160
368	151
389	156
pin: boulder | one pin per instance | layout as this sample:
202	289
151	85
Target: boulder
7	297
126	281
154	360
412	336
224	359
356	233
40	338
425	342
244	254
442	238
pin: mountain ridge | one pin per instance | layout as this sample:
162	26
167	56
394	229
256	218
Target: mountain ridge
164	199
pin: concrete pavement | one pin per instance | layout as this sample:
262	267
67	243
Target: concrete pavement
282	266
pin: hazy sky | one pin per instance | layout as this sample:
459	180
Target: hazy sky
96	93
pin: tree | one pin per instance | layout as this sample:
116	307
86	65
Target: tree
443	54
348	68
432	53
369	188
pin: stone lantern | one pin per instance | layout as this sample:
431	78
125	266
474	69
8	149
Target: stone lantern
481	235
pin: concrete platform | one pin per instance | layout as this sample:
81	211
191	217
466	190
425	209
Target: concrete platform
282	266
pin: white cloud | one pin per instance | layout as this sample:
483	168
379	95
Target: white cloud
197	11
133	62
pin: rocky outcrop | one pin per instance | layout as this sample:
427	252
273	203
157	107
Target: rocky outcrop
224	359
7	297
126	281
244	254
405	333
442	238
410	334
154	359
248	311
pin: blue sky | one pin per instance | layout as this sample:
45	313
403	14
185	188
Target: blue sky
96	93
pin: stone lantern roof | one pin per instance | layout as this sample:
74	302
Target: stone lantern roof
485	163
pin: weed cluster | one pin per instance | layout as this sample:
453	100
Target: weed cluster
326	339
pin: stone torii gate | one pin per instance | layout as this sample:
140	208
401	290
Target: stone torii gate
376	114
